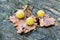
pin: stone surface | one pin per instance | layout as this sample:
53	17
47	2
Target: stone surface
8	31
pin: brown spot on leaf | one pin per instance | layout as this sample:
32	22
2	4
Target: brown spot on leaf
13	19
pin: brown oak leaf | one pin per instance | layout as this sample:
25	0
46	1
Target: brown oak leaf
21	25
46	21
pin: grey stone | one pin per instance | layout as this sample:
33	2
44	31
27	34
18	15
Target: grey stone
8	31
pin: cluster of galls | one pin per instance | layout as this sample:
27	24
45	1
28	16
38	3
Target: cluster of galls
26	24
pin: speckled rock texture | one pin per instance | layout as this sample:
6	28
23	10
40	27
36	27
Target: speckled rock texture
8	31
